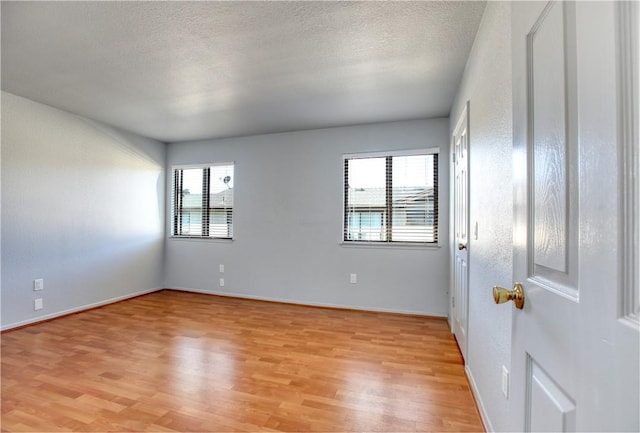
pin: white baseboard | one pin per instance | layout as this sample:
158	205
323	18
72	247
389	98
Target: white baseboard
217	293
310	304
483	412
76	309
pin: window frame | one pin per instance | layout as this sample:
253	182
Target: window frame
388	204
205	199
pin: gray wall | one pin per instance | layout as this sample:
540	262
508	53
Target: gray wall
288	223
487	85
82	208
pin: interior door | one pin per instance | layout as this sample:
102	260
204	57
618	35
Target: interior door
575	342
460	142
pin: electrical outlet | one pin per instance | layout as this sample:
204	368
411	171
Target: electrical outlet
37	304
353	278
222	269
505	382
221	282
38	284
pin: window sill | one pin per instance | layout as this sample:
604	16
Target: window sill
390	245
200	239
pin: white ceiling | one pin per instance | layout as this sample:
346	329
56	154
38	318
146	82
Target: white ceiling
179	71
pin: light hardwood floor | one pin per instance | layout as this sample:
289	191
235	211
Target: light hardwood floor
174	361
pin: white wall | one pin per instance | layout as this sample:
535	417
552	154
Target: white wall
82	208
487	85
288	222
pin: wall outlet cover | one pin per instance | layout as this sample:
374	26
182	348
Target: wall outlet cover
505	382
38	284
38	304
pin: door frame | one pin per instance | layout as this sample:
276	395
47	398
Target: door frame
628	20
462	122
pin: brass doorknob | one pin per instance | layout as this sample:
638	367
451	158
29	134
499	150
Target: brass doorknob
501	295
462	246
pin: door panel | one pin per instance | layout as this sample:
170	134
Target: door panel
571	352
547	106
460	142
550	408
550	107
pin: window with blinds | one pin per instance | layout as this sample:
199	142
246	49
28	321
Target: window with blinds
391	198
203	201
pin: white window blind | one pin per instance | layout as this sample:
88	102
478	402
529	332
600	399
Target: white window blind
391	198
203	201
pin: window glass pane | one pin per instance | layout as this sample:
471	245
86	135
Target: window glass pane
366	226
365	178
220	223
221	178
221	201
192	181
192	222
192	202
367	173
413	199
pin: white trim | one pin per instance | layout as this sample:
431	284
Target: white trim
628	133
391	245
199	165
409	152
78	309
461	120
484	415
201	239
307	303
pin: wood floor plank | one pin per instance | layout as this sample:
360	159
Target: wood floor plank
175	361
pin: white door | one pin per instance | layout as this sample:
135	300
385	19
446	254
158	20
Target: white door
575	344
460	142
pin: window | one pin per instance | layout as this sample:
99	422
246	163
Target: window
203	201
391	197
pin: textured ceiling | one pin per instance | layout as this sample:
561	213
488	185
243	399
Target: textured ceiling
178	71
